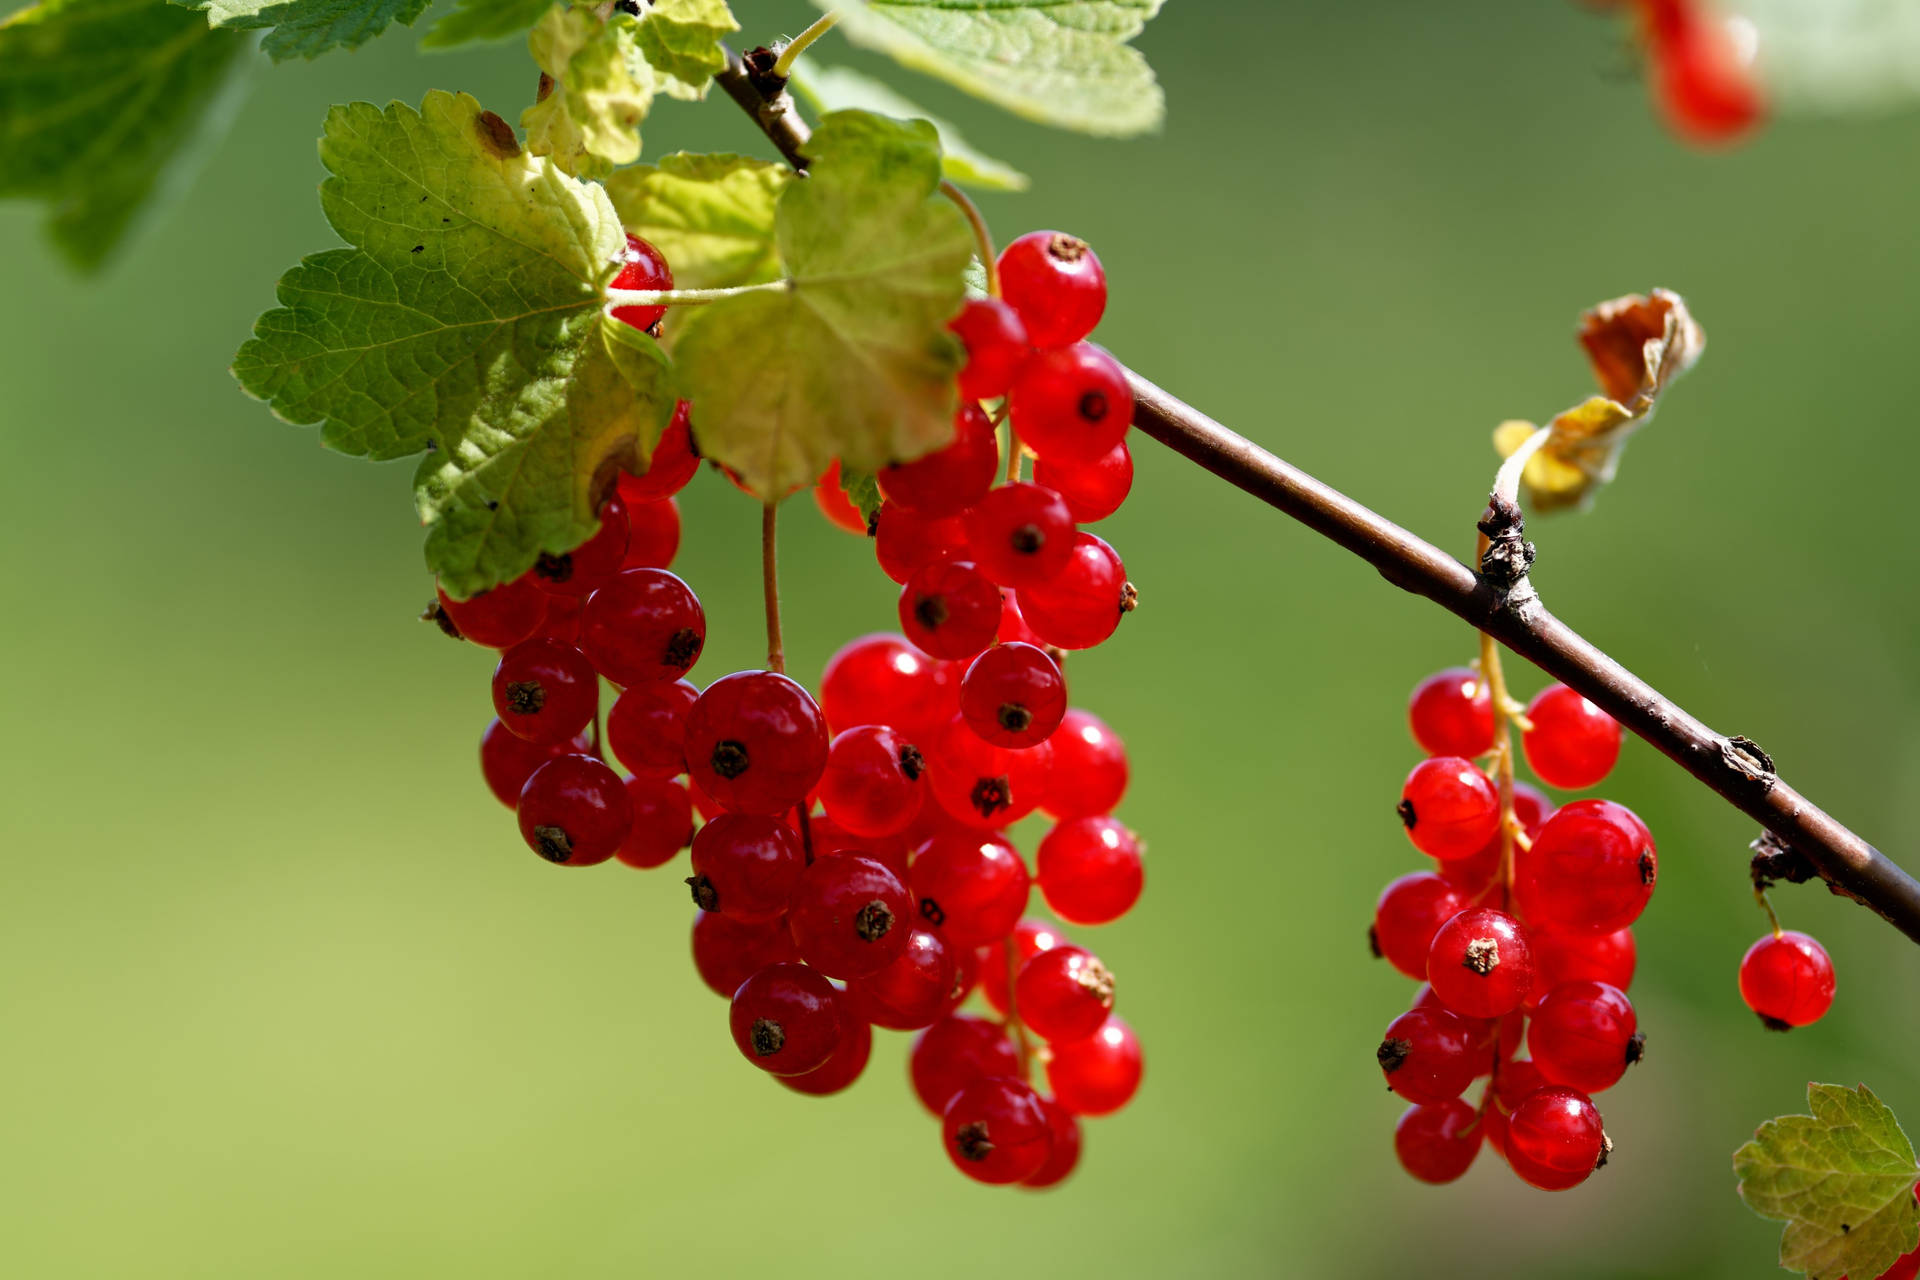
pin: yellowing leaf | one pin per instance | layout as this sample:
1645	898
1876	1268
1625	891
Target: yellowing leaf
308	28
1637	346
598	89
1842	1180
711	216
681	40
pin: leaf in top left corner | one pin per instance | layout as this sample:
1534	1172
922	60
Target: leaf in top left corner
309	28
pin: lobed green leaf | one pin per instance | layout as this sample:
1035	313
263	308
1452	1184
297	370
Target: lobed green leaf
841	89
711	215
309	28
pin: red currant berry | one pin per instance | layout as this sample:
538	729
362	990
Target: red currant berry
1478	872
912	992
746	866
727	952
1089	870
507	760
905	543
653	535
997	1131
982	785
563	619
1437	1142
1089	767
1099	1075
545	691
1064	994
1573	743
1066	1148
969	888
846	1064
1014	627
1072	404
671	466
1451	714
756	742
1055	283
1553	1136
1081	606
1449	807
1480	964
1584	1035
1704	85
1429	1055
881	679
500	618
851	916
643	626
574	811
947	481
786	1019
1410	912
950	609
872	784
662	822
1029	938
641	267
647	727
834	503
1590	870
1787	979
1560	957
1013	696
587	567
1020	535
996	343
953	1053
1092	490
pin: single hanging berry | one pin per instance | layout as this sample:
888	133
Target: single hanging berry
647	727
1436	1142
1029	938
1072	404
872	785
746	866
981	785
653	534
545	691
1451	714
1591	869
1584	1035
500	618
1021	535
849	1060
851	916
1089	869
1056	284
644	625
1100	1074
574	811
969	887
1429	1055
905	543
1080	606
1449	807
728	952
1013	695
996	1130
996	343
756	742
662	822
589	566
914	990
953	1053
1787	978
1089	767
1410	911
950	609
641	267
949	480
670	468
1092	490
786	1019
1555	1139
1572	744
1064	994
882	679
1480	964
507	760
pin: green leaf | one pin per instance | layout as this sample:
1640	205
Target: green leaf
309	28
601	89
473	20
1841	1179
681	40
1815	56
1060	62
712	216
863	491
853	359
101	104
839	89
465	320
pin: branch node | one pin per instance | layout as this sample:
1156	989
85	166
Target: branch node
1748	762
1509	555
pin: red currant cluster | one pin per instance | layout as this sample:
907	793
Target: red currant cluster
1522	933
854	868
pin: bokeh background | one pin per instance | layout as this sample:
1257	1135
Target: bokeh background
285	996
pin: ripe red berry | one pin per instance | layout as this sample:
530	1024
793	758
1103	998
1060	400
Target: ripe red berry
1590	870
662	822
1055	283
641	267
500	618
915	990
996	343
1013	695
881	679
647	727
1478	872
949	480
1787	979
1449	808
1020	535
1573	743
969	887
997	1131
1082	604
1093	489
1429	1055
756	742
1029	938
728	952
1480	964
587	567
574	811
545	691
953	1053
1561	957
1071	404
563	619
905	543
834	503
786	1019
1064	994
644	625
653	534
1089	767
507	760
1410	912
846	1064
1099	1075
1066	1148
746	866
1555	1139
1089	870
872	784
1437	1142
671	466
1451	713
982	785
1702	82
851	916
892	852
1584	1035
950	609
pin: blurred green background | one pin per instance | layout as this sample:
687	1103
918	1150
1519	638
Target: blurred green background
285	996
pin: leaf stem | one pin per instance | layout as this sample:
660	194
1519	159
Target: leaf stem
790	53
982	237
1503	718
685	297
770	587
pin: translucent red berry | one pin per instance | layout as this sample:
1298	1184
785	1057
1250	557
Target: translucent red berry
1572	744
1020	535
1055	282
969	887
1437	1142
1702	80
653	534
915	990
1093	489
644	625
834	503
882	679
905	543
1089	767
756	742
786	1019
996	1130
849	1060
996	343
1584	1035
1081	605
1429	1055
1013	695
1449	807
647	727
1064	994
873	784
587	567
746	866
851	916
1071	404
1451	714
1787	979
1065	1152
728	952
641	267
545	691
500	618
1591	869
949	480
982	785
1089	870
673	463
1029	938
1100	1074
953	1053
574	811
1555	1139
1561	957
662	822
1410	911
950	609
1480	964
507	760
